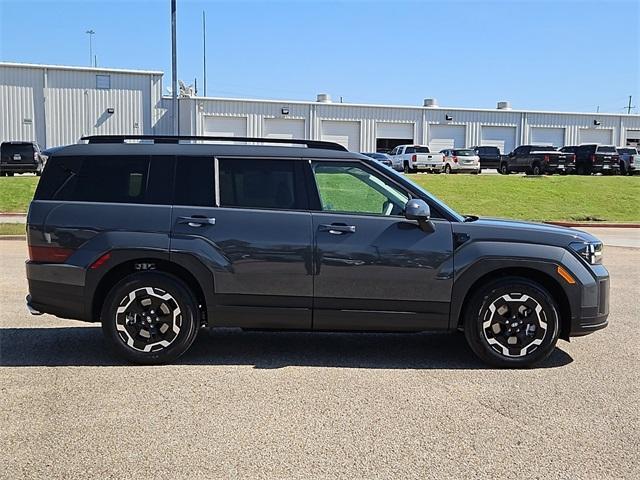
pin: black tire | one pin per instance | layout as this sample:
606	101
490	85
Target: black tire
581	170
534	333
447	169
406	168
623	169
504	168
9	174
536	169
175	303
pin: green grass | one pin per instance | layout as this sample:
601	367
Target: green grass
12	229
16	193
547	198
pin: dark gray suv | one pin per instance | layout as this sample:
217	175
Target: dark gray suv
158	238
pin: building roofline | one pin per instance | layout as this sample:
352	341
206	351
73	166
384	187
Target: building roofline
406	107
80	68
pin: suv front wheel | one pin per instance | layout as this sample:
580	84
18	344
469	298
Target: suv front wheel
512	322
150	318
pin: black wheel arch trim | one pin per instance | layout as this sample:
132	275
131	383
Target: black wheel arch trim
479	260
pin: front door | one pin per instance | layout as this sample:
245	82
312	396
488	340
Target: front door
255	237
374	269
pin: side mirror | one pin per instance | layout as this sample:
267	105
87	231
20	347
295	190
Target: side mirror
418	210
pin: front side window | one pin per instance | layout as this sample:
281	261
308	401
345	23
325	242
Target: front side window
271	184
351	188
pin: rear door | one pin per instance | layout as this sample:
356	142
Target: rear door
375	270
248	220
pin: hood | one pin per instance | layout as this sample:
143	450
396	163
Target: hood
497	229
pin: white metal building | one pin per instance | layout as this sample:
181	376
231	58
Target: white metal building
373	127
56	105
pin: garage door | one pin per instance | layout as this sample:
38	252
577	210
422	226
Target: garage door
390	135
225	126
446	136
633	138
502	137
596	135
547	136
346	134
283	128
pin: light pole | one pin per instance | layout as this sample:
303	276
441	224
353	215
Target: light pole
174	70
91	33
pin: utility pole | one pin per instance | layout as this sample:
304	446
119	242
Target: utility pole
174	70
204	51
91	33
629	107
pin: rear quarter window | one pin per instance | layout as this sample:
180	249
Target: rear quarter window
107	179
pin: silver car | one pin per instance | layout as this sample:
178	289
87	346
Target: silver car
460	160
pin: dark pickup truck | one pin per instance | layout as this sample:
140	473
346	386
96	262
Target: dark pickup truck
593	158
537	160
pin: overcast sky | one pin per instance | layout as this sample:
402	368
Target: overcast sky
547	55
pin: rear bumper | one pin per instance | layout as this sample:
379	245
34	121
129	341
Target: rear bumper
18	167
58	289
436	167
605	168
559	169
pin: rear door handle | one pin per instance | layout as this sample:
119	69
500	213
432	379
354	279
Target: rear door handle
197	220
337	229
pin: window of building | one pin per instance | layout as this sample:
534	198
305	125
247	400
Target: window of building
103	82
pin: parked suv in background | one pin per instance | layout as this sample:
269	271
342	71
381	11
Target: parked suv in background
629	160
594	158
20	157
489	156
460	160
537	160
157	240
383	158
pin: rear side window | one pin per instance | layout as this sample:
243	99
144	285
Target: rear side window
195	181
261	184
108	179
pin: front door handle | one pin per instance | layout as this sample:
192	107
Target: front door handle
197	220
337	229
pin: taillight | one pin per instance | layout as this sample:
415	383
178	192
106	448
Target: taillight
455	159
573	158
546	159
414	158
49	254
593	158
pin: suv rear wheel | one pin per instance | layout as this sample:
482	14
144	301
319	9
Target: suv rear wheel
150	318
512	322
504	169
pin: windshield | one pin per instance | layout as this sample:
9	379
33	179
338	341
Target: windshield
417	150
607	149
464	153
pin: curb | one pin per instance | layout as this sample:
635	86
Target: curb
595	225
13	237
18	214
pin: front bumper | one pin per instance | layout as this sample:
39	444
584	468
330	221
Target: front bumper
593	306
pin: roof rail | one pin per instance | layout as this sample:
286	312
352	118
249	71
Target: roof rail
178	138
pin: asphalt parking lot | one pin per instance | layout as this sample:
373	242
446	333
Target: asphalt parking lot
273	405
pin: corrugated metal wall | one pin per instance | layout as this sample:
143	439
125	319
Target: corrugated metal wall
255	111
65	104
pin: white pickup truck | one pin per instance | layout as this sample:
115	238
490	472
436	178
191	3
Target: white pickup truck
411	158
629	160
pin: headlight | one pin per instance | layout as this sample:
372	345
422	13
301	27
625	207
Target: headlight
590	251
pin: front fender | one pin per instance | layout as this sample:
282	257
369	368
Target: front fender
478	259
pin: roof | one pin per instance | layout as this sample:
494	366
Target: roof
80	68
409	107
208	149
